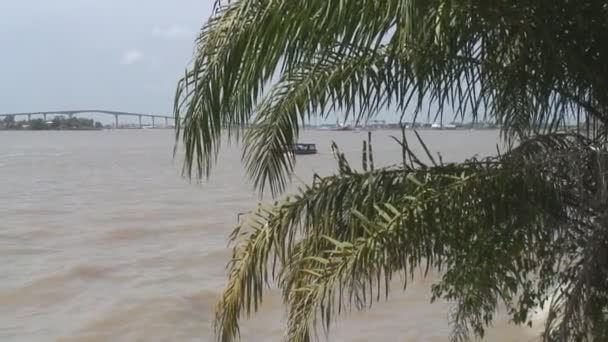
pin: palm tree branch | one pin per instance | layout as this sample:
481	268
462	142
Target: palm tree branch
326	209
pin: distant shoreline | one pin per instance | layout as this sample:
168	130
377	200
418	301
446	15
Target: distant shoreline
46	130
83	129
358	129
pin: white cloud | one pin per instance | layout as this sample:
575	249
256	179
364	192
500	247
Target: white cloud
171	32
131	57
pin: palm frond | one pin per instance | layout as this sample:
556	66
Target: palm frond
311	89
468	57
532	66
340	241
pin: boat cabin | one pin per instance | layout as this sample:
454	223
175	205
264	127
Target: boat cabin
303	148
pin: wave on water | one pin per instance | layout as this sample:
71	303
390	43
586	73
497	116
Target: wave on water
136	233
53	288
13	155
177	318
38	154
126	234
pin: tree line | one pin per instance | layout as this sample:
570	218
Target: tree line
57	123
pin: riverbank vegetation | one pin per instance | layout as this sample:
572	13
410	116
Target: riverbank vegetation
525	229
57	123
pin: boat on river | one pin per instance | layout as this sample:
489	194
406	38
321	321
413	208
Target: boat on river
302	149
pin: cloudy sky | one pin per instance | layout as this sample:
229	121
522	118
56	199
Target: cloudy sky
124	55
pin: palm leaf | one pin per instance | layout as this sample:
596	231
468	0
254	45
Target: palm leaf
472	58
266	67
357	229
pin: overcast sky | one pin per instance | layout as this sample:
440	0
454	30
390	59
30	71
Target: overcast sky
124	55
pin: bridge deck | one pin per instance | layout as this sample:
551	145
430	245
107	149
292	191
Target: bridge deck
91	111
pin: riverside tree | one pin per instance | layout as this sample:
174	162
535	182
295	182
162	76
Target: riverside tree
526	228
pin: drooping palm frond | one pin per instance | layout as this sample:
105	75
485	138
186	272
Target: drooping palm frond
579	309
311	89
528	65
342	240
274	229
532	66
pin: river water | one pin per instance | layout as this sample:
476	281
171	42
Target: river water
101	239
